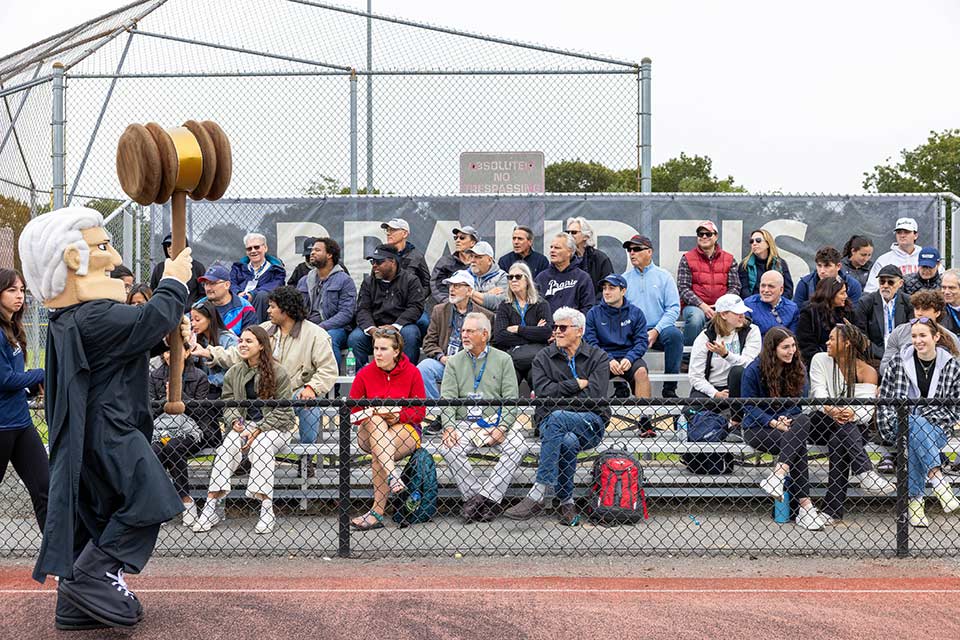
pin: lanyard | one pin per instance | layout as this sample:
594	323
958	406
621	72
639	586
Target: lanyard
953	314
891	313
573	368
477	377
522	312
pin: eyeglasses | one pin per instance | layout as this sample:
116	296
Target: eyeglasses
561	328
706	234
461	236
255	247
514	276
382	332
468	330
572	232
636	249
756	240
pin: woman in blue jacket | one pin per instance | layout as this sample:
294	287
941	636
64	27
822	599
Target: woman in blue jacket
780	428
20	443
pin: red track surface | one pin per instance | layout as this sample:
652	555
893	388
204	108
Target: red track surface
405	605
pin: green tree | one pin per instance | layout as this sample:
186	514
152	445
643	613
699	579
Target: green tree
14	214
933	167
576	176
327	186
684	174
690	174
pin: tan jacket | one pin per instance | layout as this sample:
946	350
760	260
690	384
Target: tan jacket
437	340
234	388
306	354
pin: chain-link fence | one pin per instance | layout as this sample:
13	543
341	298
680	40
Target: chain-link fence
711	495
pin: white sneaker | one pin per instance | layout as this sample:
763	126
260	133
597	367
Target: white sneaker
209	518
948	500
809	519
873	483
189	513
918	518
773	485
267	520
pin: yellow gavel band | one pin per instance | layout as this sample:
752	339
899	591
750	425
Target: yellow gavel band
189	157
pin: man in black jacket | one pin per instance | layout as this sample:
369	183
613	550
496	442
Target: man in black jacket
391	295
304	267
569	368
194	288
464	238
412	260
882	311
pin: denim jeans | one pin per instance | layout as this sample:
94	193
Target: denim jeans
309	422
362	344
432	373
670	342
423	323
924	441
338	340
564	434
693	322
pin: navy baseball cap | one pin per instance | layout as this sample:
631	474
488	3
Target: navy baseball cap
929	257
216	273
616	280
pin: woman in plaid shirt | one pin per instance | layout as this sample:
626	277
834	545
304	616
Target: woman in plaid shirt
923	371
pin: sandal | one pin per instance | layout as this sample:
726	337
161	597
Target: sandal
364	523
396	484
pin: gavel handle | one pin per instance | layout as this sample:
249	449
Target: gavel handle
178	241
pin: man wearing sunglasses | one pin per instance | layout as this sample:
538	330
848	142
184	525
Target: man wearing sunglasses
883	311
258	273
390	295
463	239
569	368
705	273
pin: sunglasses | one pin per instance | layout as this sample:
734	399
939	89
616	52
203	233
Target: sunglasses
921	321
572	232
378	262
561	328
461	236
757	240
381	332
888	281
255	247
515	276
636	249
706	234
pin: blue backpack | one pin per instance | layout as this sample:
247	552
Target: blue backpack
707	426
418	501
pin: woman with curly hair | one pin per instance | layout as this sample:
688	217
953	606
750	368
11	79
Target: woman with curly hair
259	431
842	371
779	427
763	257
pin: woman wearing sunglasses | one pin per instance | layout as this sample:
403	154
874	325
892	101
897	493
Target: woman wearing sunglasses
922	370
523	323
763	257
388	434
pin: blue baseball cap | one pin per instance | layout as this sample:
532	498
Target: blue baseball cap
929	257
216	273
616	280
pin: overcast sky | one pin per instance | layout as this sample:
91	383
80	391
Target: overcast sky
798	97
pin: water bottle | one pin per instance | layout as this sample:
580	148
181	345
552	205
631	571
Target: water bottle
681	428
351	363
781	509
413	502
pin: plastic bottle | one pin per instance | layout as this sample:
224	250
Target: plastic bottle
413	502
681	428
350	363
781	509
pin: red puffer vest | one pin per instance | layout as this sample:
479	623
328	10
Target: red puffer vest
709	274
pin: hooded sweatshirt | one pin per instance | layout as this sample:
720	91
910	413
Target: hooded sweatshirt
495	277
620	331
400	383
571	287
906	262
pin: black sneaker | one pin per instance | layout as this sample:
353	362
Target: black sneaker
887	464
99	591
433	428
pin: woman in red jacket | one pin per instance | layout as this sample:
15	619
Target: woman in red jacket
387	433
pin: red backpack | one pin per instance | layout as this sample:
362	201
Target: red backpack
616	495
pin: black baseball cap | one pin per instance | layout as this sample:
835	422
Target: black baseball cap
384	252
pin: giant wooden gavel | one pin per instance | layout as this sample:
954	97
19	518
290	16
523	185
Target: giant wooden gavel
154	164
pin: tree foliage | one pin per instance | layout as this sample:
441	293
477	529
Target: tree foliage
328	186
686	173
931	167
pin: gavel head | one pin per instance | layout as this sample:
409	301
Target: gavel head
153	162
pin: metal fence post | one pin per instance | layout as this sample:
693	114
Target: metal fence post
369	98
353	131
646	182
344	490
903	519
58	155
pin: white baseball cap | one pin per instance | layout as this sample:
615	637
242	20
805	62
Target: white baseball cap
396	223
731	302
481	249
908	224
459	277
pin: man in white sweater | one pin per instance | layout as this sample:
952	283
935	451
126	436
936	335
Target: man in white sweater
904	253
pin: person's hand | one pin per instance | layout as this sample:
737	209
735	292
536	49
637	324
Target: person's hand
390	418
167	387
369	330
238	426
542	323
496	435
722	395
583	383
251	436
707	310
180	267
450	438
200	352
652	335
515	328
307	393
443	360
496	291
718	348
186	333
615	367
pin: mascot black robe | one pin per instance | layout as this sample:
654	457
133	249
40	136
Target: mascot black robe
106	485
